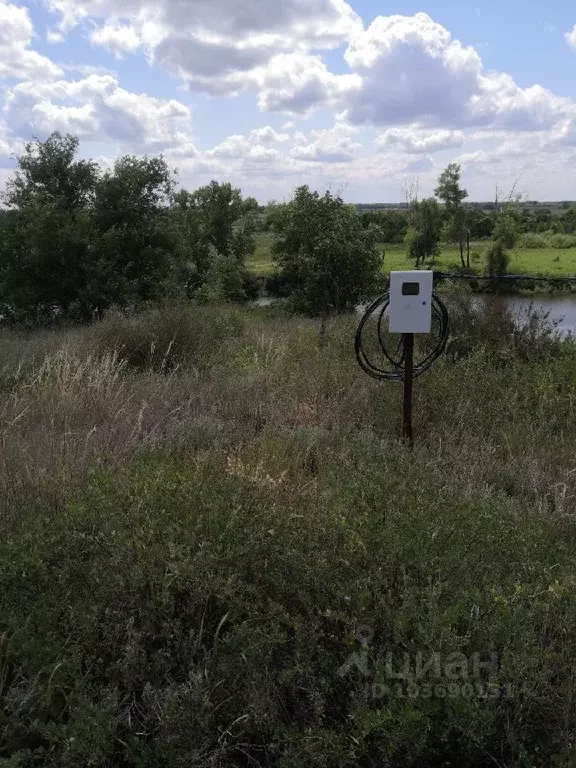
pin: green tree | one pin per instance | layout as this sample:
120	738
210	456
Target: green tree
506	230
49	172
135	252
451	194
77	241
504	238
192	241
228	219
569	221
216	228
424	231
324	252
393	225
46	253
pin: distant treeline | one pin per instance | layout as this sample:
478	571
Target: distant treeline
486	206
394	220
77	239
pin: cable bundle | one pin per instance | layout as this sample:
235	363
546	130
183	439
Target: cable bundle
376	311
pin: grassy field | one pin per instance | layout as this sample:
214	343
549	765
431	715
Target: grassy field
215	550
551	262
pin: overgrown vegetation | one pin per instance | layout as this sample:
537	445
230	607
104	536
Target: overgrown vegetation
214	548
327	258
76	241
216	551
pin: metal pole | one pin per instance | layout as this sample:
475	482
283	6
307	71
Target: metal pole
408	382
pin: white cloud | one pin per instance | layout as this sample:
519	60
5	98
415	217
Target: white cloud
502	104
297	83
210	44
412	70
415	140
335	145
571	38
423	91
54	37
118	38
265	154
260	146
17	60
5	145
268	136
98	109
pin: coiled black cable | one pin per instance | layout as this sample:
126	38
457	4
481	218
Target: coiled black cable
376	311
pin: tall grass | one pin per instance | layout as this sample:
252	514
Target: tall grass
217	552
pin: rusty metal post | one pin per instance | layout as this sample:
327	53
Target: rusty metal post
408	385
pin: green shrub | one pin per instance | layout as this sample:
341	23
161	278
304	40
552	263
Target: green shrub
497	259
534	240
489	321
227	569
563	241
196	613
171	336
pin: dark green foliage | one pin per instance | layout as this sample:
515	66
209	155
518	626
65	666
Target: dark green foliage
324	252
47	261
228	218
422	238
497	259
215	229
135	247
49	172
76	242
451	194
392	225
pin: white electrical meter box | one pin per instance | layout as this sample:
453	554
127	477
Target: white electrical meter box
410	307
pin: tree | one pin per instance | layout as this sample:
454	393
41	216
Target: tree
135	253
393	225
424	231
48	172
504	238
46	244
77	241
228	219
569	220
324	252
216	228
497	258
452	195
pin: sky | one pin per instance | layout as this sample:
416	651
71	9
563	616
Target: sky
368	98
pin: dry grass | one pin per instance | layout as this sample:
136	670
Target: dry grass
200	508
90	397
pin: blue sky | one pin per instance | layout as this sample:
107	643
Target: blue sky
363	96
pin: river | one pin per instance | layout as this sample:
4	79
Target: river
561	309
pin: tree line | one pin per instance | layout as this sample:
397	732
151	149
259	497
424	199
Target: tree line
76	239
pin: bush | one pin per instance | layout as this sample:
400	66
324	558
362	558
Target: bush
497	259
534	240
241	586
184	613
169	337
490	322
563	241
